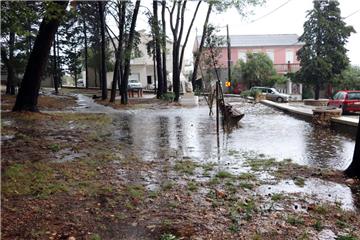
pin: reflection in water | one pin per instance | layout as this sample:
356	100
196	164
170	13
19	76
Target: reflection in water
320	145
163	137
191	132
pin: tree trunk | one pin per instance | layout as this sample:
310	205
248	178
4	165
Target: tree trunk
176	44
188	34
58	60
86	55
103	49
29	90
354	169
118	54
122	12
155	77
10	83
95	74
176	74
165	87
55	71
159	71
128	50
317	91
198	54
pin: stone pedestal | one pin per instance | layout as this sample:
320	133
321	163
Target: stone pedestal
188	99
322	116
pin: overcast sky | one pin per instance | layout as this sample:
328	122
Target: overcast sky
287	19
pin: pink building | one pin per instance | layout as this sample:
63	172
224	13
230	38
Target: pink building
280	48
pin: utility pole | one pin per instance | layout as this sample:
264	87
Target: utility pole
229	53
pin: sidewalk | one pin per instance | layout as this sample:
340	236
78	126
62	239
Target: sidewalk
300	109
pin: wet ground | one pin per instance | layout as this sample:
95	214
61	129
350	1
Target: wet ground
162	173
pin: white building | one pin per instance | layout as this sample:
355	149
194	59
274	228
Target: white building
141	68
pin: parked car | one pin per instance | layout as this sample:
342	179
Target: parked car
272	94
80	83
347	100
133	83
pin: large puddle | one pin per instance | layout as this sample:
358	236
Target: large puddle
190	132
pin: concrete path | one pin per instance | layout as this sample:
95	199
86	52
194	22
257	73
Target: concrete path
306	111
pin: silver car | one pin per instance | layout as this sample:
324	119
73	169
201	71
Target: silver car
134	84
272	94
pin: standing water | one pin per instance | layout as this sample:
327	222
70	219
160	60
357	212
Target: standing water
190	132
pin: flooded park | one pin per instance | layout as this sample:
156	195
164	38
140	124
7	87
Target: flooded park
162	170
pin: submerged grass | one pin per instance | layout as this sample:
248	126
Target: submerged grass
186	167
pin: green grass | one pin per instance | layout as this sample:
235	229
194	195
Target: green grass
277	197
321	209
36	179
341	224
246	185
294	220
260	164
167	185
208	166
247	176
95	237
224	174
192	186
186	167
318	226
54	147
136	191
346	237
299	181
168	236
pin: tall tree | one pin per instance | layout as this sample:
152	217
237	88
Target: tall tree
177	17
354	169
29	90
323	55
201	45
18	24
127	54
121	10
84	14
158	38
103	51
258	70
163	41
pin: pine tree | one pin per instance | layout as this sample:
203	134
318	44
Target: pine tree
323	55
29	90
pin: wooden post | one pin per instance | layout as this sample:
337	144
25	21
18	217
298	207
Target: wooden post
217	107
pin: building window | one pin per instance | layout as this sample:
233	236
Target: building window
289	56
149	81
256	50
270	54
242	56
